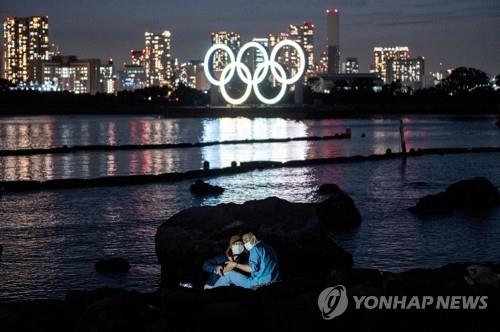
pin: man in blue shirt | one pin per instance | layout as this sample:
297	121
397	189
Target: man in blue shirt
262	266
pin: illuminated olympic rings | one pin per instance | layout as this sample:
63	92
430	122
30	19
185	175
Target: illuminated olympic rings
236	66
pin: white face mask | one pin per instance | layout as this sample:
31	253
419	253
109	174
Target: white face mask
237	248
248	246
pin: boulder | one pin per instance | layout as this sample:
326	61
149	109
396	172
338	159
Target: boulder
295	230
433	204
124	311
201	188
338	212
473	194
481	275
329	189
350	277
290	305
112	265
36	315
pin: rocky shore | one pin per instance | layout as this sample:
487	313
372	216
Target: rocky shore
310	262
291	305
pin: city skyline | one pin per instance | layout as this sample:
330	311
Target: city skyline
440	31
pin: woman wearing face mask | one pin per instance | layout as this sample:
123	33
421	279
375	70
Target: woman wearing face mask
235	253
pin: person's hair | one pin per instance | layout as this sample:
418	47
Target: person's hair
232	240
249	231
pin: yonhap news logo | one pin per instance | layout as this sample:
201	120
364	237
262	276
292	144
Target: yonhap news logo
333	302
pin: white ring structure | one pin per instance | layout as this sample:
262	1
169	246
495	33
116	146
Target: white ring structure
230	69
301	55
282	92
266	60
261	72
206	64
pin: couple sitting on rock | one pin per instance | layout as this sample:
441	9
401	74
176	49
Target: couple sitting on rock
247	263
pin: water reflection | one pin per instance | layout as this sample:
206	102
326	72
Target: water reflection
52	238
243	128
380	134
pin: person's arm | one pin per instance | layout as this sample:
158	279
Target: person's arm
210	265
244	267
253	263
233	265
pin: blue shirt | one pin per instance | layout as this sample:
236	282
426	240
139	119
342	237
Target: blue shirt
264	264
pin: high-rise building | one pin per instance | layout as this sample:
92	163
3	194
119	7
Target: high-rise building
158	58
350	66
304	36
107	78
25	39
53	50
256	57
137	57
333	40
410	72
192	75
131	77
381	55
284	54
68	73
322	66
221	58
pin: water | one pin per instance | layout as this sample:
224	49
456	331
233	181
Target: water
381	133
51	239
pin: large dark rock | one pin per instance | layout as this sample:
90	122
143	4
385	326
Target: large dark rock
200	188
329	189
290	305
473	194
112	265
302	241
338	212
433	204
126	311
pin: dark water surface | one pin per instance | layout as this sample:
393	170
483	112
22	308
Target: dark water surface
51	239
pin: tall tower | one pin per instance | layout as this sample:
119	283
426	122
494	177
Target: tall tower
333	40
158	58
25	39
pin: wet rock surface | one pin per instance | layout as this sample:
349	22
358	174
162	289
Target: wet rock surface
291	305
338	212
299	232
473	194
201	188
112	265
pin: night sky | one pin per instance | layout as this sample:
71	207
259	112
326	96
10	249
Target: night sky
455	32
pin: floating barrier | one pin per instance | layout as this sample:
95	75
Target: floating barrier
127	180
105	148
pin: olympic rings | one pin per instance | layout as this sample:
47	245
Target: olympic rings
261	72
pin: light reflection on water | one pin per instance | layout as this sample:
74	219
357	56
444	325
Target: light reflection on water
51	239
383	133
